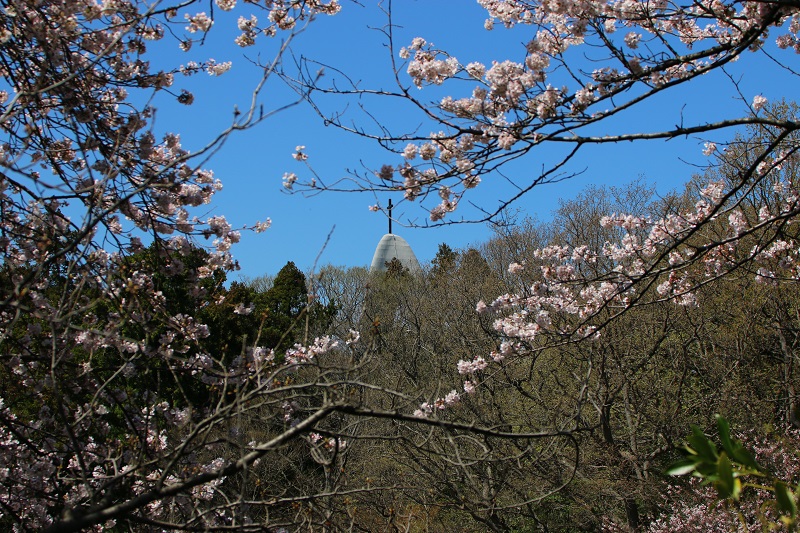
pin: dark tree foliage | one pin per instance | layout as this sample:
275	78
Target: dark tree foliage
290	314
395	269
444	261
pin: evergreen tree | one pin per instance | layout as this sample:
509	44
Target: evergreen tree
395	269
289	315
445	261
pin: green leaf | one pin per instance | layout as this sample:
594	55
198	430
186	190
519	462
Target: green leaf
707	470
734	447
682	467
786	501
744	457
702	445
726	484
724	430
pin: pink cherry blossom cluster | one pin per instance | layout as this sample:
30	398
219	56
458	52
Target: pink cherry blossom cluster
426	67
427	409
282	16
499	111
96	211
330	444
153	429
672	255
300	354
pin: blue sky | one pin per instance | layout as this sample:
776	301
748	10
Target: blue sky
252	163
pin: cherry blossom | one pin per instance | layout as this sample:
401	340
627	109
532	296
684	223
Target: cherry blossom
518	107
99	212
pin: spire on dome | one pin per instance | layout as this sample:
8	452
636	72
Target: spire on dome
393	247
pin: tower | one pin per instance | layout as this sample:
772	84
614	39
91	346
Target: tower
393	246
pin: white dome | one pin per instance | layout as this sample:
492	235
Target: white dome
393	246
